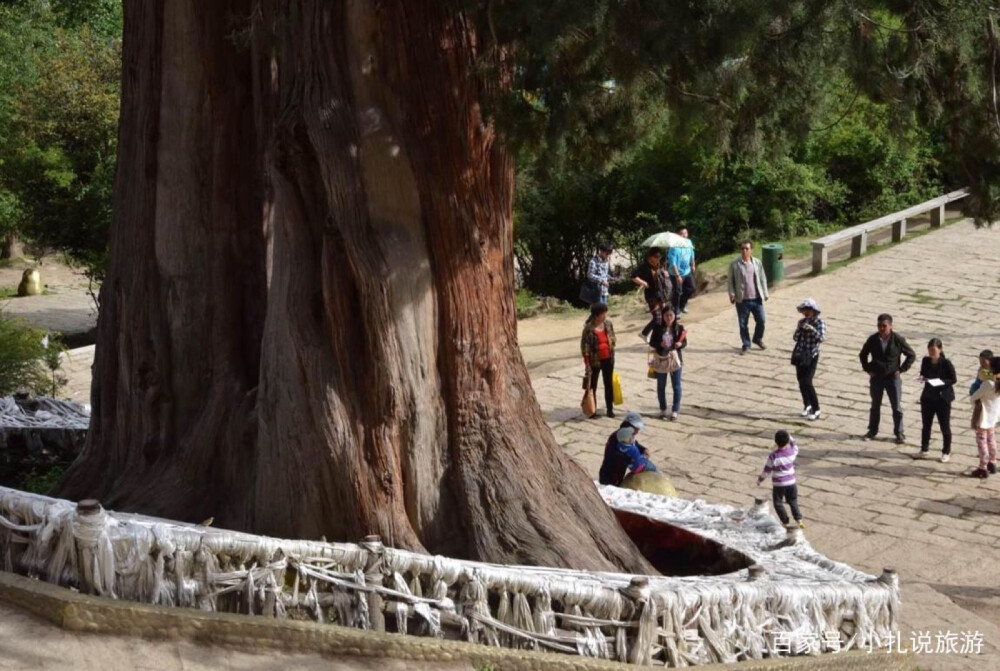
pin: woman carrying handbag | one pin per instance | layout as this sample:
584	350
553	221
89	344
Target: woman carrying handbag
666	340
597	345
809	333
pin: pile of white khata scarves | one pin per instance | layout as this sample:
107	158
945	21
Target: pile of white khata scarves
790	600
48	413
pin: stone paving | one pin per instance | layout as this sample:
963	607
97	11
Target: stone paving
28	643
867	503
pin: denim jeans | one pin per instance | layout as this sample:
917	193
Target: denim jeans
893	386
661	389
743	311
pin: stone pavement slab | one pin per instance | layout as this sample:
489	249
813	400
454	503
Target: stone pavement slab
29	643
866	503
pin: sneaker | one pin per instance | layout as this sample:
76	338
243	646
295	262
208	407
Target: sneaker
900	438
744	351
663	414
802	525
868	436
991	468
923	454
806	411
979	473
684	309
611	414
813	416
760	344
945	458
673	418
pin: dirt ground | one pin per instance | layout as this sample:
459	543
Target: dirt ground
56	275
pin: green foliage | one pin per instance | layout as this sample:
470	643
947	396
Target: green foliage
29	361
526	303
854	168
58	124
41	481
748	81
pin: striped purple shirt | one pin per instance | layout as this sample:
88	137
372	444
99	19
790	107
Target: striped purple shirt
781	465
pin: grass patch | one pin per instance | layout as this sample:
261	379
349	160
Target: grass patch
801	248
910	235
11	292
920	297
792	248
527	304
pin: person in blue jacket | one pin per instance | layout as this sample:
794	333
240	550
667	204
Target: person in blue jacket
623	453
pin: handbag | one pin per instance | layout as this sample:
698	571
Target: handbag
589	404
798	356
590	292
651	371
668	363
616	385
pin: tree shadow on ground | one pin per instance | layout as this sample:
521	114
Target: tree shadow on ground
987	506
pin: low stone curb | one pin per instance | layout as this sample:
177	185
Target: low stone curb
89	614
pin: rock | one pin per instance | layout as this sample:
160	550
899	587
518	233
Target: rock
31	283
651	482
705	282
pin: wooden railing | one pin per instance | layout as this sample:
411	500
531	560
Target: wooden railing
858	235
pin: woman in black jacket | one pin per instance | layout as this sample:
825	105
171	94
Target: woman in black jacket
938	375
665	337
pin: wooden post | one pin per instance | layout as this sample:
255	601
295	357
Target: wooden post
898	230
937	217
820	257
89	513
889	577
373	576
859	244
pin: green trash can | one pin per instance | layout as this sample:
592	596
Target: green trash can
774	267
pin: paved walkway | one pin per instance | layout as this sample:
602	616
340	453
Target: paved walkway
867	503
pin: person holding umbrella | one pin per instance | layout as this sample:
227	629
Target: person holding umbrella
652	277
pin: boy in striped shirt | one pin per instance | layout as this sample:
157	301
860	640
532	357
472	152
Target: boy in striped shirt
781	465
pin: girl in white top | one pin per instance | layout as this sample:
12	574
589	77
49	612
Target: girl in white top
986	401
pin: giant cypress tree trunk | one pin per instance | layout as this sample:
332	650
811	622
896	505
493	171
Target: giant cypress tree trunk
373	384
182	307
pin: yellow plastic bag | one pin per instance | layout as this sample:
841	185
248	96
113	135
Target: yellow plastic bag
617	385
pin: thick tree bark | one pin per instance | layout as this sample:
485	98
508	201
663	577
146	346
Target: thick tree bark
178	343
311	331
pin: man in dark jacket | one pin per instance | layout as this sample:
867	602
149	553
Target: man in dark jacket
880	357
